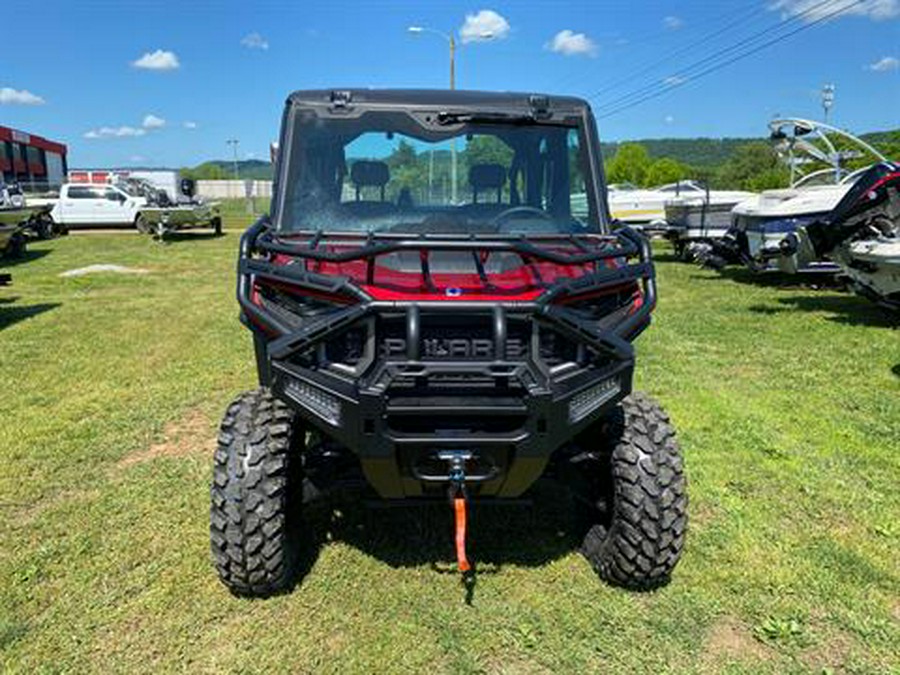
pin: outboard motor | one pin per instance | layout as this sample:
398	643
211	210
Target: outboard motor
869	210
188	187
872	206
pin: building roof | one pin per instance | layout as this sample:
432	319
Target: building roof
16	136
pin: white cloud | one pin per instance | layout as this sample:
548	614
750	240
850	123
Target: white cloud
668	119
673	22
158	60
813	10
153	122
255	41
190	125
885	64
485	25
137	158
674	80
571	44
115	132
10	96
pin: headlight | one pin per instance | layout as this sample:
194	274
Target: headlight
317	401
584	403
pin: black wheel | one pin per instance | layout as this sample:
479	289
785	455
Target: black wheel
142	225
42	228
639	495
16	246
217	226
256	478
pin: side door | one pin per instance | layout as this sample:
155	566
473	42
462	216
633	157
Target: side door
118	207
77	205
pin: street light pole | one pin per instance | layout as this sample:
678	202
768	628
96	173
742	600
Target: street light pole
451	41
453	169
827	99
233	142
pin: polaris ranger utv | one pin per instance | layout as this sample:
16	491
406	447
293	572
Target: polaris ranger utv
438	301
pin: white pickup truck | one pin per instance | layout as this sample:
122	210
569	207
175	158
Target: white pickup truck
84	204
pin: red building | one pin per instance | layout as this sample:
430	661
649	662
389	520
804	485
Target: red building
31	160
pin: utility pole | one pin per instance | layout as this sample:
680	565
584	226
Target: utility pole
453	164
233	142
827	99
451	41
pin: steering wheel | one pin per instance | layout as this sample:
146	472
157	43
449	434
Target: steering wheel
517	211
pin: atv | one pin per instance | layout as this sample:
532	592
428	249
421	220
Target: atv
445	339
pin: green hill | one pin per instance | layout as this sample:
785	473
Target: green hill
248	169
704	155
709	153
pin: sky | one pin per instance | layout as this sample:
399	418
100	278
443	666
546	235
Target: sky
157	83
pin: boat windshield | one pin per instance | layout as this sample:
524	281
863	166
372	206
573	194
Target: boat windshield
398	172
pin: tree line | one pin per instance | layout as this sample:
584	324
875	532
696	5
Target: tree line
723	164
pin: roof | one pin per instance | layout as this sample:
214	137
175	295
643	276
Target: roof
436	98
16	136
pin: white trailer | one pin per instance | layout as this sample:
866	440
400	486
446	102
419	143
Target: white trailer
166	180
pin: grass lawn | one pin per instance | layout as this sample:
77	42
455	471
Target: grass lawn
787	401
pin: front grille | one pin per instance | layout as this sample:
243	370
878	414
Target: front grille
453	338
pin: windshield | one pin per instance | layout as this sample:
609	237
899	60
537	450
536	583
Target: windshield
389	172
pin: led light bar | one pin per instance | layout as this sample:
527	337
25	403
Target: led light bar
317	401
584	403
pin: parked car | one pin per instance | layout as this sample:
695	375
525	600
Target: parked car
87	204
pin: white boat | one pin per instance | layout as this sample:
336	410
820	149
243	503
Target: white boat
646	208
862	235
694	222
760	223
874	267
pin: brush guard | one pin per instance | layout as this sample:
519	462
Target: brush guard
529	410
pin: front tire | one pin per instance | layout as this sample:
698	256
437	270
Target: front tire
17	245
640	497
255	487
142	225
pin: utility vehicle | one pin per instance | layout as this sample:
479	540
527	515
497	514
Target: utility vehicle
431	307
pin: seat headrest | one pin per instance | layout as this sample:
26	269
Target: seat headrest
366	173
487	176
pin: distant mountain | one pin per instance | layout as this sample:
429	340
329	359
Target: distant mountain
248	169
697	152
708	153
700	153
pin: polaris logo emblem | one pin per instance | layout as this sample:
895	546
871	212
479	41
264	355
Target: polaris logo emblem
459	348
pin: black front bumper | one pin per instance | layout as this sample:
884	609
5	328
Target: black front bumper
402	412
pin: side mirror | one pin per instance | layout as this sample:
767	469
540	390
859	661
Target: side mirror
122	198
188	187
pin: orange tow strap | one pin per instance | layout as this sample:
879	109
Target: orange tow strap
459	506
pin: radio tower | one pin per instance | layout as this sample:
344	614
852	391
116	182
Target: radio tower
827	99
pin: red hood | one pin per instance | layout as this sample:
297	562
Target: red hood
519	279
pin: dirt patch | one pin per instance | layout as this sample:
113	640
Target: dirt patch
830	654
729	640
191	434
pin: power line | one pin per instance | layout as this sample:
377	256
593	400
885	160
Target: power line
686	72
681	76
560	83
738	57
667	57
